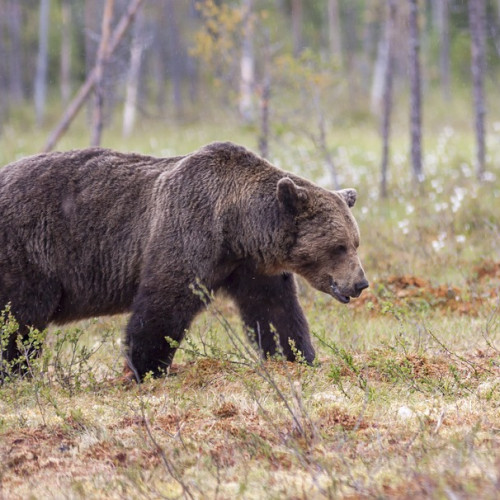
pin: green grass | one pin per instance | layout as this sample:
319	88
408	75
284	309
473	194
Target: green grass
403	403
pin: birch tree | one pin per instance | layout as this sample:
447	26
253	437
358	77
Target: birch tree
3	87
415	94
13	22
247	64
92	15
102	57
42	61
387	93
85	90
379	72
297	21
65	58
132	88
443	18
175	54
334	34
477	21
265	98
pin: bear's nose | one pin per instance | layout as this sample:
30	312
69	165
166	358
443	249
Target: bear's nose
361	285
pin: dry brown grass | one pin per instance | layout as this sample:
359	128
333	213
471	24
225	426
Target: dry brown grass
405	402
413	413
392	424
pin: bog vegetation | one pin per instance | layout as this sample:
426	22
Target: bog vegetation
404	401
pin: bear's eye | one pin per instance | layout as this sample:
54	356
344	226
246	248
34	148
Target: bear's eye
339	250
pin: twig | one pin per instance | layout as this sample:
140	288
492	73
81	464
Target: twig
460	358
168	465
489	321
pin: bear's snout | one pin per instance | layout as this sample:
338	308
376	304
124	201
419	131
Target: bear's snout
344	294
360	286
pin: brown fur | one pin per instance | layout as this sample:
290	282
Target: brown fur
94	232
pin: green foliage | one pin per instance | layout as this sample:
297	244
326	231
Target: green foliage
67	363
29	347
72	362
224	413
217	42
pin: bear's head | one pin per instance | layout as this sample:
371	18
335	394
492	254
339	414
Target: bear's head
327	237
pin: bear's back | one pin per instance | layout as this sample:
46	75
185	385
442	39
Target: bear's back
50	173
80	217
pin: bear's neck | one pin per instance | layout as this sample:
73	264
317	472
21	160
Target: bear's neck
260	232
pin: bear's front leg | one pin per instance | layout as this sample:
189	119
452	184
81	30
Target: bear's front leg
269	304
156	328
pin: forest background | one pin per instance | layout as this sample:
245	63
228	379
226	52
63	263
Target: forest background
397	98
265	64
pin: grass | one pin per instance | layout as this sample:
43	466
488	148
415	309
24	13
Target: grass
403	403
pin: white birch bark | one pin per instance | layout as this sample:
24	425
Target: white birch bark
477	22
415	97
247	65
387	94
65	61
40	90
132	89
334	34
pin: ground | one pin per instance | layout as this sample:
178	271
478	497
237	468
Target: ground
403	403
411	414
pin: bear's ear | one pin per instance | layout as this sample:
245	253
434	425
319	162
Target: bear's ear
291	196
349	196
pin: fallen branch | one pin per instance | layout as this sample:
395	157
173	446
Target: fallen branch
76	104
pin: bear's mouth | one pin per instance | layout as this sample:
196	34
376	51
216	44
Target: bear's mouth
344	299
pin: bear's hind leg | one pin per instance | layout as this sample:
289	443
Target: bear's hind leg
269	304
32	304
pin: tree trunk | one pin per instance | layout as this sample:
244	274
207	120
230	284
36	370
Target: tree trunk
334	33
264	115
321	141
350	50
415	98
3	69
191	61
65	61
443	18
102	57
379	74
247	64
42	61
132	90
387	99
370	35
175	55
16	88
265	96
92	15
297	21
477	13
159	59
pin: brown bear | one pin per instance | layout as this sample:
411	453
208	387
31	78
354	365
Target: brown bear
94	232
